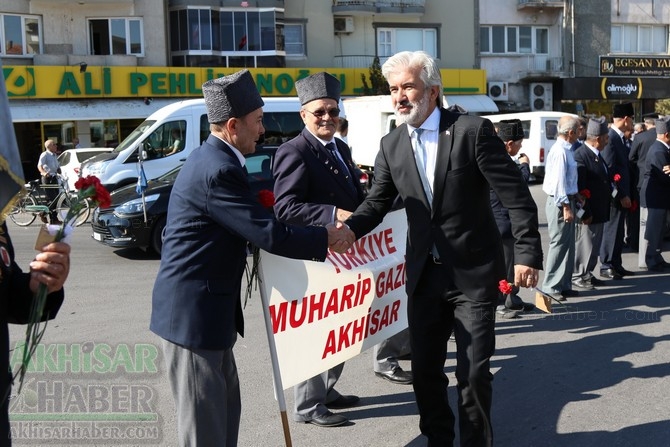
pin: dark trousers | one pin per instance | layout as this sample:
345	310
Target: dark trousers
51	194
612	244
433	314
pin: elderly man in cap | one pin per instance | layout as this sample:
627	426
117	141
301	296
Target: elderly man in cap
615	155
512	134
316	183
196	305
637	157
592	176
655	196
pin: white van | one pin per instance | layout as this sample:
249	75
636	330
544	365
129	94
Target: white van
170	134
540	131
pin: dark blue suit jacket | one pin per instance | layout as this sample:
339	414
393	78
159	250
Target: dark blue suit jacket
211	216
471	159
615	154
308	183
655	191
591	175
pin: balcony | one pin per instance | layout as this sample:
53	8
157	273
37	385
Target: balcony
370	7
539	66
356	61
539	4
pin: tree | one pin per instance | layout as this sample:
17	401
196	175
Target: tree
663	106
379	86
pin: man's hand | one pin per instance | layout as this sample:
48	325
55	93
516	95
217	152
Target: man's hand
666	169
342	215
568	215
525	276
340	237
523	158
50	267
625	202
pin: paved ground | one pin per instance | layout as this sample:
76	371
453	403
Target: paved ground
595	373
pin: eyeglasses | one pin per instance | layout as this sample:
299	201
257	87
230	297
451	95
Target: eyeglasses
319	113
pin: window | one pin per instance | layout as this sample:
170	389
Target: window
20	35
211	37
639	39
393	40
514	39
294	35
115	36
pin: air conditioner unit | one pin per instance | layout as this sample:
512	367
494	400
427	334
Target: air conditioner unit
343	25
498	90
541	96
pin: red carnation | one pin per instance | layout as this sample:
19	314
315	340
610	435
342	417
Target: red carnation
585	193
633	206
504	287
617	177
266	198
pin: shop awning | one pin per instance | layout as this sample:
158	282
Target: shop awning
472	103
28	110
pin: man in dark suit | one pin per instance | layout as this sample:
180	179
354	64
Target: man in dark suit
196	305
317	182
615	155
441	163
592	176
512	134
637	157
655	196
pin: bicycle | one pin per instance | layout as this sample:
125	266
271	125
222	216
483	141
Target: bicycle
33	202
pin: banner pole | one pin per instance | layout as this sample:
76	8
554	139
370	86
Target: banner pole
279	389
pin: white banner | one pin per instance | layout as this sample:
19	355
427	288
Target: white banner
325	313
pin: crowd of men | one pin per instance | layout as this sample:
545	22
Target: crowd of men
608	188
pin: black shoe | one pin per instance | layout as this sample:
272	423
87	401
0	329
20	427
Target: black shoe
610	274
396	376
622	271
597	282
582	284
343	402
328	420
656	268
569	293
523	307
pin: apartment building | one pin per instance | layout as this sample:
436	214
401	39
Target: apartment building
574	56
95	69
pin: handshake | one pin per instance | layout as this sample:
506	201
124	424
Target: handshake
340	237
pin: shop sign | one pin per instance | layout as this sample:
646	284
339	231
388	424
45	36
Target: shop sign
64	82
621	88
634	66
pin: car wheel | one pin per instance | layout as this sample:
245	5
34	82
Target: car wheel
157	235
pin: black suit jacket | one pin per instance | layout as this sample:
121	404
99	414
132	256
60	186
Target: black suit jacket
461	225
655	191
211	216
615	154
309	184
15	303
638	152
591	175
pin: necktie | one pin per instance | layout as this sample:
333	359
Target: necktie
343	167
420	155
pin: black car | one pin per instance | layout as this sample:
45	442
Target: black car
123	224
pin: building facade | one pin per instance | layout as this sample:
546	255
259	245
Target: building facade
95	69
571	55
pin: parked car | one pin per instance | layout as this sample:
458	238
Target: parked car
123	224
70	162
